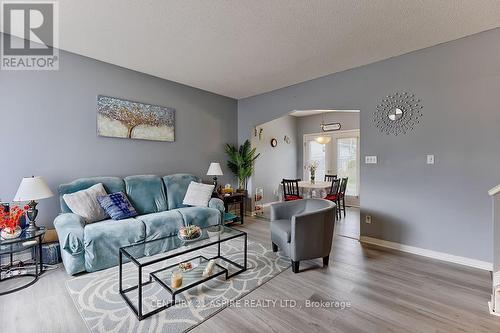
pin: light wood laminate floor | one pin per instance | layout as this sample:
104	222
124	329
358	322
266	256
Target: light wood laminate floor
389	291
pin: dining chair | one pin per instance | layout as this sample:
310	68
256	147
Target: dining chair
291	189
329	178
333	194
341	196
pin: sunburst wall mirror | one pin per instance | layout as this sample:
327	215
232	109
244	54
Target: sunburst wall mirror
398	113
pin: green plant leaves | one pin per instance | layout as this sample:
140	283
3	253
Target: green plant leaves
241	161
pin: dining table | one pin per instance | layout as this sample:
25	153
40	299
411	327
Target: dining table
307	189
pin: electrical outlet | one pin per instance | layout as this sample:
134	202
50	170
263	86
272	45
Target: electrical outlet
370	159
368	219
430	159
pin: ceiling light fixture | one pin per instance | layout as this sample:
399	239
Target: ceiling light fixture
323	140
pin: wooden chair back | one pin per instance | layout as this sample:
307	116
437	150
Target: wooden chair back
329	178
290	187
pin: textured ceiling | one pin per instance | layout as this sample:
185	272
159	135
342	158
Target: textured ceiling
241	48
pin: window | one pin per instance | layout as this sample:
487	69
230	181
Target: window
347	163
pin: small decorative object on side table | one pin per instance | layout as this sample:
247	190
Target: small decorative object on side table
32	189
9	221
235	199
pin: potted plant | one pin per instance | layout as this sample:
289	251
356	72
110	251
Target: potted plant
9	221
241	162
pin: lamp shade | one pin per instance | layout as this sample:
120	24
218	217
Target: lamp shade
214	169
323	139
33	188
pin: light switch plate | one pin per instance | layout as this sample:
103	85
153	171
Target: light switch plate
370	159
430	159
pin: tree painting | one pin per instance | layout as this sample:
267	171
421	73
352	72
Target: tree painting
125	119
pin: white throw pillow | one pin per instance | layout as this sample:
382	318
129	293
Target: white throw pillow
85	204
198	194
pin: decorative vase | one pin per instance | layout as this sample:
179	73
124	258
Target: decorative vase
7	233
313	176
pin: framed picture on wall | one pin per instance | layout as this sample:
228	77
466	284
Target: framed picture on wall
119	118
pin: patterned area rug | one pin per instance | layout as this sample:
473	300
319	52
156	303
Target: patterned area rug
104	310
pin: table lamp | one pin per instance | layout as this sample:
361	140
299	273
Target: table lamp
214	170
32	189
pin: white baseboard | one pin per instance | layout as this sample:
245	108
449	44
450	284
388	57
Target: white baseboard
490	307
487	266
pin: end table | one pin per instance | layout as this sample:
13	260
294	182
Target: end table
27	241
235	199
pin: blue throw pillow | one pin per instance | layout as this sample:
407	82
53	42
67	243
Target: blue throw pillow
117	205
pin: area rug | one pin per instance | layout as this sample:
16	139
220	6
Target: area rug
104	310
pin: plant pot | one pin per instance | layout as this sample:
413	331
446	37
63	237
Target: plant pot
6	233
241	190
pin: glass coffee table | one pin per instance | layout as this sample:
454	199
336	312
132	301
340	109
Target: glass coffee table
156	251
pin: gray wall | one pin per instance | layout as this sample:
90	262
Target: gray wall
310	125
49	127
444	207
277	163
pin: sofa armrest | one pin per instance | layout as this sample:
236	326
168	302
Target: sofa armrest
285	210
69	229
218	204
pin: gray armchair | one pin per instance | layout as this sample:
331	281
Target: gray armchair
303	229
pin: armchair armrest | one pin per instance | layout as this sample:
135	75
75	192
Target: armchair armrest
69	229
286	210
218	204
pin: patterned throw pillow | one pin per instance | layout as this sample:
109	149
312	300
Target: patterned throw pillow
117	205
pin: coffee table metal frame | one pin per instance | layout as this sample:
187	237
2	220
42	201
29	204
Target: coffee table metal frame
137	310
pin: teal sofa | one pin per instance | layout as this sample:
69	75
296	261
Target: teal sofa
157	200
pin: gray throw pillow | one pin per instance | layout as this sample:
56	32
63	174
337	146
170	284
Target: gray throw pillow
85	204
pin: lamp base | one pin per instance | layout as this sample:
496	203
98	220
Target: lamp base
215	184
32	213
32	227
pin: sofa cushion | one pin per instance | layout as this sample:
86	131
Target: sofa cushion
282	229
111	185
200	216
85	204
146	193
117	206
176	186
198	194
160	225
103	240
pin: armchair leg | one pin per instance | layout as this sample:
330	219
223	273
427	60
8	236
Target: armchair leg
275	247
295	266
325	260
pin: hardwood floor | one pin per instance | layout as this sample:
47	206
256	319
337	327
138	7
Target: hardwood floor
388	291
348	225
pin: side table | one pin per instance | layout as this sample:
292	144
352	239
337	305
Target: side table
235	199
27	241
